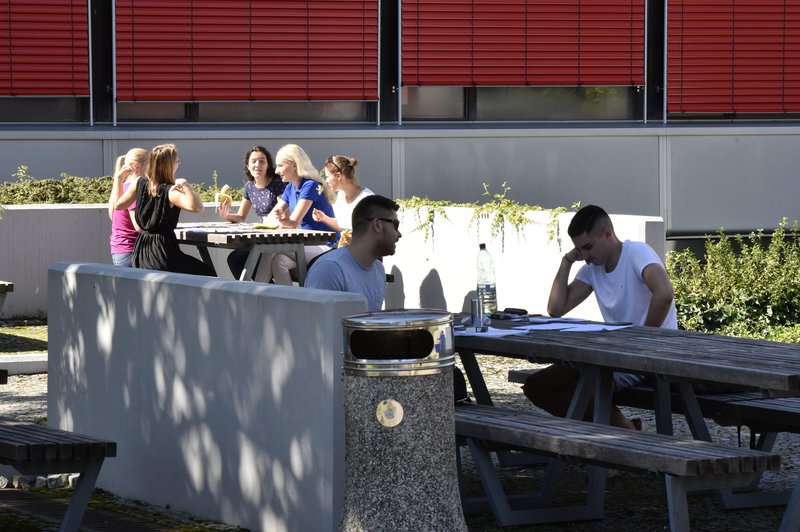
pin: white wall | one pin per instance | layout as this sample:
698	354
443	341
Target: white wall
442	271
437	273
34	236
222	401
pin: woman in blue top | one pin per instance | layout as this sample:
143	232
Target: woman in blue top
305	191
261	192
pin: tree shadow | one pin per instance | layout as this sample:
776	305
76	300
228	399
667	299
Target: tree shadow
11	343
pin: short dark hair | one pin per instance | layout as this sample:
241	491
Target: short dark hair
587	219
370	208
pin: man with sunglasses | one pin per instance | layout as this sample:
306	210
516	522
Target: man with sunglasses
357	268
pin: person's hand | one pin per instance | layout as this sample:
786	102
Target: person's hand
573	255
282	211
123	173
224	208
318	215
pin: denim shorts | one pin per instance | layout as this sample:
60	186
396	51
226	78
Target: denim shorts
626	380
122	259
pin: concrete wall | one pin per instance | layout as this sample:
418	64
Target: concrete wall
222	401
34	236
435	273
698	178
441	272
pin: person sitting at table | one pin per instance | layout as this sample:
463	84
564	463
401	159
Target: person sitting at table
159	200
305	191
128	169
357	268
340	173
630	284
261	191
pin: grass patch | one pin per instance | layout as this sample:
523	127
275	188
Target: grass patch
23	336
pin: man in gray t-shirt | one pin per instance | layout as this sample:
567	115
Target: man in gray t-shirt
357	267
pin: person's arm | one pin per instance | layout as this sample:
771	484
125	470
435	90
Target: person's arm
657	280
132	214
293	220
239	216
120	176
182	195
277	212
330	221
126	198
563	296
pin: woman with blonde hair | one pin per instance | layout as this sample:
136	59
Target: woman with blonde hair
305	191
124	230
340	174
159	200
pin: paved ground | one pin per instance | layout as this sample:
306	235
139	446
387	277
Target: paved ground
634	502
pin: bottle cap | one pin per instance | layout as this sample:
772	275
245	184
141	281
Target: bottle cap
482	246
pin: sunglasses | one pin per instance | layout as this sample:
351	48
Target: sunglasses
395	223
331	161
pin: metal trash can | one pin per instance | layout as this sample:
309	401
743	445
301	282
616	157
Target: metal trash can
400	464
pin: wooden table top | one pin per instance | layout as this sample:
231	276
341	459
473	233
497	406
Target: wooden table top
655	351
243	234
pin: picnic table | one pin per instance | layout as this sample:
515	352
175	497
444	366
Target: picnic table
256	239
674	359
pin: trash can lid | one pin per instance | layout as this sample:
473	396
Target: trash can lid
398	318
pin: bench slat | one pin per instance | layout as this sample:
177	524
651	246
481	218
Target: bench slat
606	444
23	441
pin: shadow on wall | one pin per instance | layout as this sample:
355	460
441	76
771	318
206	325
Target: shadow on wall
431	292
395	296
204	379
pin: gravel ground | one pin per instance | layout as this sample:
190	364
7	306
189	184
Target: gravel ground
634	502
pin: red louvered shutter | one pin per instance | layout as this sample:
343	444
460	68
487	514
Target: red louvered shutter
727	56
523	42
245	50
44	48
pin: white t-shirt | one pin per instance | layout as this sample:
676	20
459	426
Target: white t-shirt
343	211
622	294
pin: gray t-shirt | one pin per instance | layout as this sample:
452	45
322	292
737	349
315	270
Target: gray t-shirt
339	270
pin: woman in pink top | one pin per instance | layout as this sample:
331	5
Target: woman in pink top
124	230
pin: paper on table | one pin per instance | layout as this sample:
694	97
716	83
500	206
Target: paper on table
572	327
491	331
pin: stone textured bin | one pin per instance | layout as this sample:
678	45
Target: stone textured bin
400	438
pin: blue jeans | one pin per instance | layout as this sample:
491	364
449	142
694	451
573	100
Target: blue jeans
122	259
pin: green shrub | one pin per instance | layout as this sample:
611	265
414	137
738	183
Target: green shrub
71	189
752	292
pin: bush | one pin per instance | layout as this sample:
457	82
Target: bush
72	189
753	292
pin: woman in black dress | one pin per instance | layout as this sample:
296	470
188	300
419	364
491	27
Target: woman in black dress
159	200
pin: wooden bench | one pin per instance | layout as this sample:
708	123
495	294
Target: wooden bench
686	465
5	286
38	450
3	376
752	409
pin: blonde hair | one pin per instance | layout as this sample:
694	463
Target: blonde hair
162	166
134	155
305	168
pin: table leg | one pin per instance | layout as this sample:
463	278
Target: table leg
663	406
206	257
475	378
791	519
300	259
248	273
691	411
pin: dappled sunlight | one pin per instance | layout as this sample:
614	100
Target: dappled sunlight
202	458
251	470
301	455
181	404
223	403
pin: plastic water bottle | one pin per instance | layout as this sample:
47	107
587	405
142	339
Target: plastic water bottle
487	289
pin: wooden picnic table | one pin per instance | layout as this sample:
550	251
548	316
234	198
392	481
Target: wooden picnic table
257	240
674	359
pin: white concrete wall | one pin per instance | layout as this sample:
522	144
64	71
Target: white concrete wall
437	273
34	236
442	271
225	398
